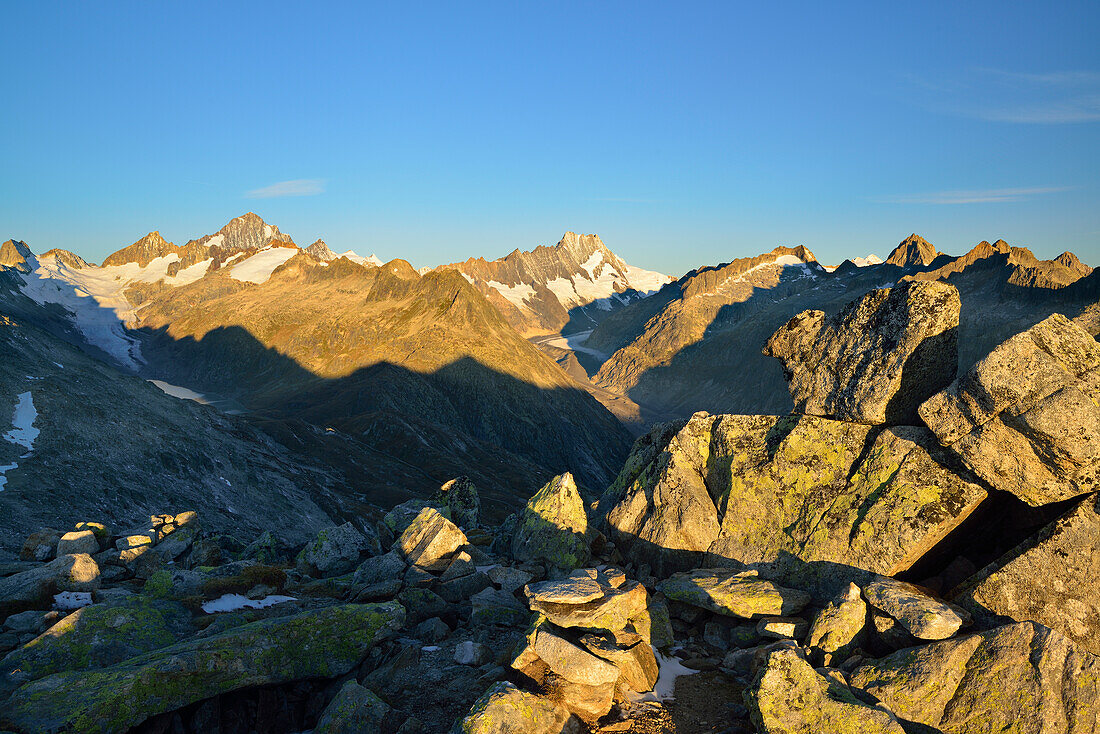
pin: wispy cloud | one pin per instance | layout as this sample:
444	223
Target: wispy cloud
297	187
997	95
979	196
625	200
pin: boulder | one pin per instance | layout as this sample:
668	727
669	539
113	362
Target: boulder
508	579
572	662
78	541
789	697
321	643
386	567
430	540
553	527
781	628
634	659
733	593
1052	578
473	653
401	516
98	636
1026	418
506	709
615	608
878	359
354	709
34	588
924	617
333	551
496	607
460	496
40	545
839	627
1021	678
814	501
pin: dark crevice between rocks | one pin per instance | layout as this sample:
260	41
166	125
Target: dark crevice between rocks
999	524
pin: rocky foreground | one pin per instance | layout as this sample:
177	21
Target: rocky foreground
913	551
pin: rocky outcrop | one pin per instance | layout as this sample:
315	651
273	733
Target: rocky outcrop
322	643
32	589
321	251
878	359
1026	418
814	500
790	697
924	617
1052	578
334	550
553	527
506	708
355	709
430	541
461	497
142	252
14	254
1021	678
839	628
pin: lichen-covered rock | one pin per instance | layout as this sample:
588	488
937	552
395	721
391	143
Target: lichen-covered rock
1026	418
781	628
354	710
375	569
790	697
572	662
839	627
924	617
32	589
333	551
615	608
733	593
461	497
98	636
878	359
40	545
321	643
496	607
430	540
505	709
634	659
78	541
553	527
264	549
1021	678
811	500
402	515
658	511
1052	578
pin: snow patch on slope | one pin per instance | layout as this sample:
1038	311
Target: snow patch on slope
371	259
515	294
233	602
258	267
23	433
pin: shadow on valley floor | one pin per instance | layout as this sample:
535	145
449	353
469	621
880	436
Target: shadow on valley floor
396	433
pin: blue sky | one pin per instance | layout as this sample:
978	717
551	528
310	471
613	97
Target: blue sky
684	134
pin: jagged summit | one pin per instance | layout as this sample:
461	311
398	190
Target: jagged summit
913	250
68	259
14	254
321	251
142	252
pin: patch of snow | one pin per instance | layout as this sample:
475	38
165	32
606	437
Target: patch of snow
69	600
430	648
227	482
258	268
592	264
4	469
180	392
515	294
370	259
216	240
60	365
646	282
871	259
233	602
23	431
669	669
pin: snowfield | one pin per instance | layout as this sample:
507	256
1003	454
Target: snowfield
258	268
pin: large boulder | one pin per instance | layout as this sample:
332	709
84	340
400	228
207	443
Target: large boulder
839	627
505	709
878	359
1026	418
333	551
430	541
321	643
78	541
789	697
98	636
589	599
1052	578
354	710
553	527
1021	678
811	500
924	617
732	593
33	588
461	497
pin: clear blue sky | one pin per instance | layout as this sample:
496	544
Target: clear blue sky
683	133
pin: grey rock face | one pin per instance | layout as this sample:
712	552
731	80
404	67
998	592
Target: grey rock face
335	550
1027	417
877	360
430	541
354	709
1052	578
32	588
1021	678
733	594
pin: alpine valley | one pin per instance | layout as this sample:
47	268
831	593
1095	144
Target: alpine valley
249	486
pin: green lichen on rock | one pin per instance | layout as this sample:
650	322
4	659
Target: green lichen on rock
98	636
733	594
505	708
320	643
553	527
790	697
355	709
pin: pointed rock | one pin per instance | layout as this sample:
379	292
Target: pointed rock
430	541
14	254
914	250
553	527
877	360
321	251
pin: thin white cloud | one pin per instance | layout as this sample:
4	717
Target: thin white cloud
996	95
297	187
980	196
